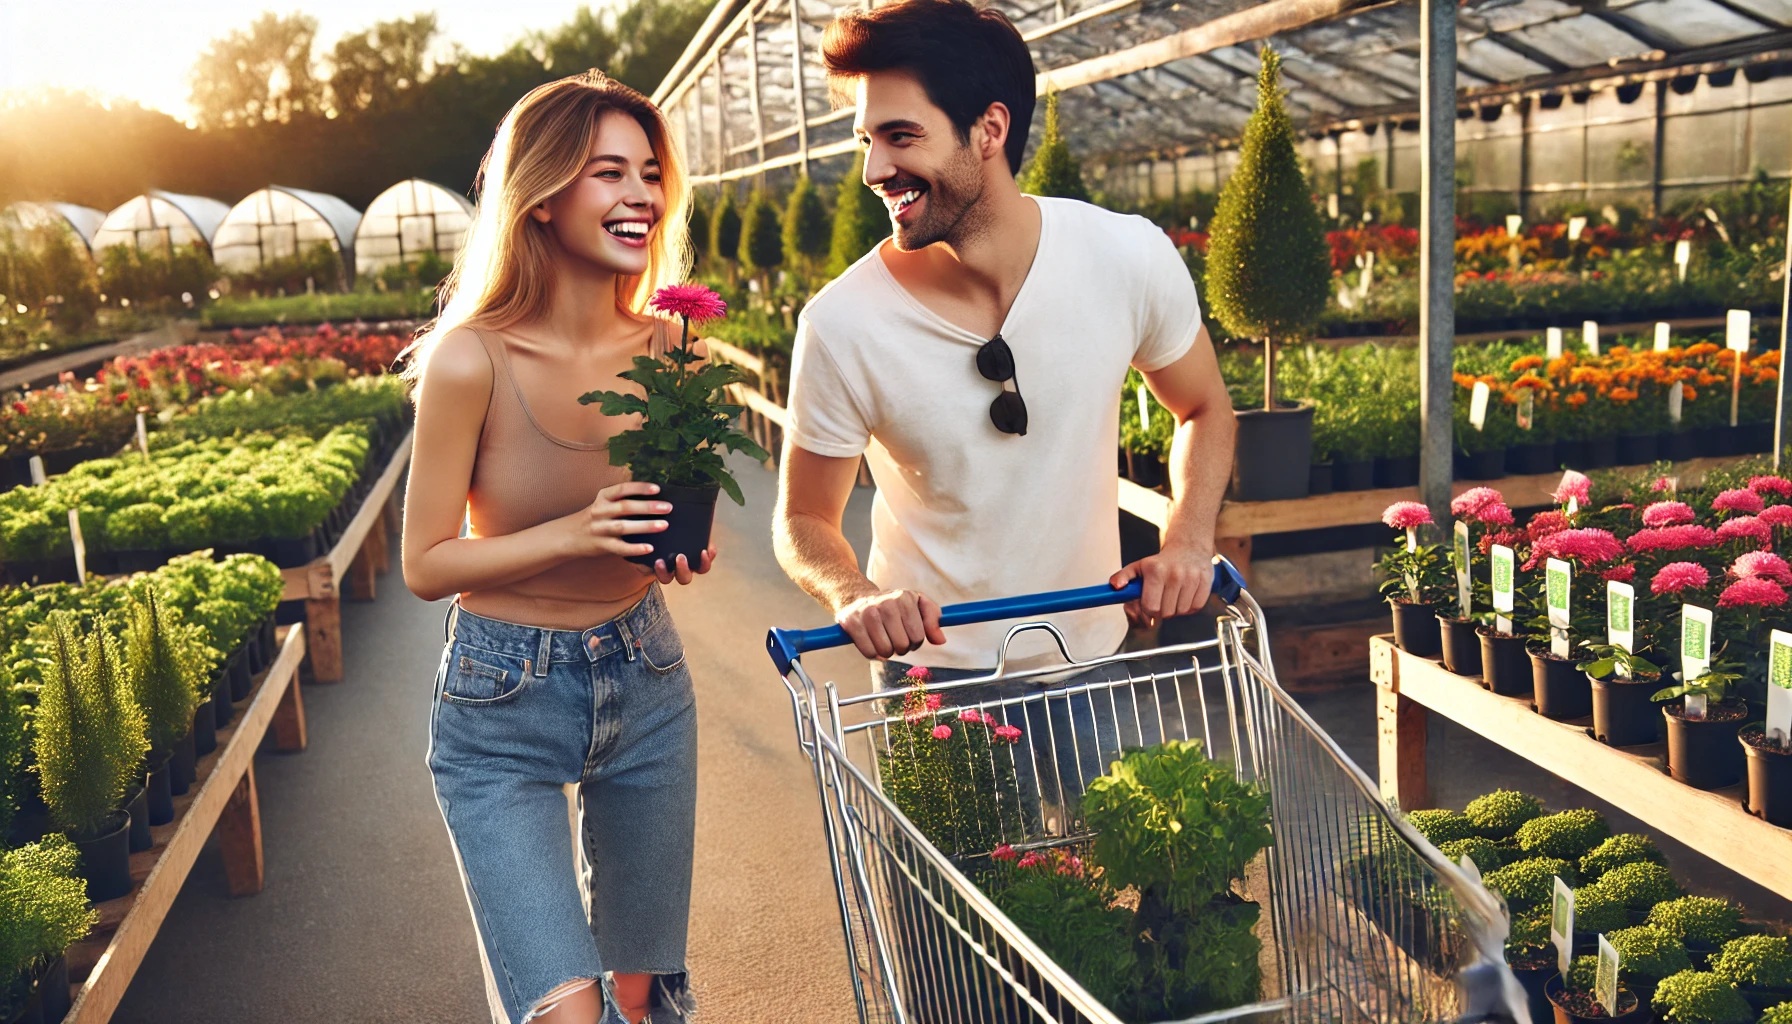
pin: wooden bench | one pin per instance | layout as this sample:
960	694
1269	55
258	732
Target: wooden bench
223	796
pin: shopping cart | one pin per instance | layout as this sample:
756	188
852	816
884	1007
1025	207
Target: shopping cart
1361	918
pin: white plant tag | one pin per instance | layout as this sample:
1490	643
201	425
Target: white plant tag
1779	694
1514	223
1576	225
1464	573
1552	342
1561	924
142	436
1695	653
74	536
1527	409
1620	624
1605	982
1477	405
1682	256
1663	337
1556	592
1589	335
1504	566
1144	408
1676	401
1736	333
37	471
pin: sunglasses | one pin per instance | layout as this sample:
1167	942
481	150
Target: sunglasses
995	361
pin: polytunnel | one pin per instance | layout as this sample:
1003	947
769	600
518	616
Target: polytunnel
82	221
278	222
162	221
410	219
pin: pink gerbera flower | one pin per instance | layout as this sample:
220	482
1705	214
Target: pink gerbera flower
1619	574
1764	564
1778	486
1499	514
1677	576
1586	546
1668	513
975	717
1672	538
1744	528
1545	523
1574	485
942	732
1406	515
1752	592
1738	500
934	701
694	302
1777	516
1003	852
1033	858
1469	503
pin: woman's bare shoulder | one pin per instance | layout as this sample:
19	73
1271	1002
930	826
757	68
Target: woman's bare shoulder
458	364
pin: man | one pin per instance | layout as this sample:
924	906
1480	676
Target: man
976	358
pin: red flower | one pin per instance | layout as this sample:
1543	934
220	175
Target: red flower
1469	503
942	732
1619	574
21	408
918	674
1677	576
1545	523
1008	733
1033	858
694	302
1667	513
1752	592
1764	564
1003	852
1776	515
1574	485
1672	538
934	701
1745	528
1405	515
1586	546
1738	500
1496	515
1775	485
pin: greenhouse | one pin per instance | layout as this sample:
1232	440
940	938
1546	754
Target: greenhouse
280	224
408	221
163	221
81	221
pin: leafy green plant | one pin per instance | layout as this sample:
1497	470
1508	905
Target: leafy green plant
1486	854
88	731
1715	684
43	906
1598	910
1604	660
1579	990
166	661
1760	961
1780	1013
1650	952
725	232
1569	835
1500	814
139	527
951	775
1075	921
762	239
1055	170
1528	883
1639	885
1704	920
1441	826
807	232
1625	848
1698	997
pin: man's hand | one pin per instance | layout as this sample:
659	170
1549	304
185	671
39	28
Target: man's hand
892	622
1177	581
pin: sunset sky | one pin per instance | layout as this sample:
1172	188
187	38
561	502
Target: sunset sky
143	51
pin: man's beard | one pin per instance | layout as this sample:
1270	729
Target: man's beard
950	208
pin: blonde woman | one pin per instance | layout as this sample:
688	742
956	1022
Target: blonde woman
562	665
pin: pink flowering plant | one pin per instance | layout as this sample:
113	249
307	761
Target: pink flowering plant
951	770
1490	521
685	422
1412	572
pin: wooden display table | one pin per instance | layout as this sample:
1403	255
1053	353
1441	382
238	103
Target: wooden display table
1409	688
360	556
101	966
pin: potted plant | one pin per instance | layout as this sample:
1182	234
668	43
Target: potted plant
1596	911
1638	887
1568	835
1705	923
137	536
942	767
89	743
684	429
1650	953
43	911
159	651
1705	752
1528	883
1500	814
1619	850
1268	274
1532	960
1574	1000
1760	966
1483	509
1413	579
1697	997
1623	686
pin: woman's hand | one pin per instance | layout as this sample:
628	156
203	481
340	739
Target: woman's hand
682	573
603	529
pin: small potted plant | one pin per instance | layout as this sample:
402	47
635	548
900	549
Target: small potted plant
1487	854
1532	959
1650	953
1568	835
1624	686
1760	966
1638	887
1596	911
43	911
1574	998
1483	509
1528	883
1698	997
1704	922
158	649
1500	814
1619	850
1413	579
1705	752
685	427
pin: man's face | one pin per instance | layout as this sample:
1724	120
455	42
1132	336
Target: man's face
928	181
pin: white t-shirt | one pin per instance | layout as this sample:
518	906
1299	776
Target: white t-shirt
964	512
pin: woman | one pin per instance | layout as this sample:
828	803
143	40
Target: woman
562	665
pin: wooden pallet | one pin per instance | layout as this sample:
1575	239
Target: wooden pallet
101	966
360	556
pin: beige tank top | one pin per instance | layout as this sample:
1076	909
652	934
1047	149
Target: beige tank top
523	476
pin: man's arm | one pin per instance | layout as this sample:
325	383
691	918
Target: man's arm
812	494
1178	579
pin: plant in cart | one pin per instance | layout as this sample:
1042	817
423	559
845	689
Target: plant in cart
951	770
685	428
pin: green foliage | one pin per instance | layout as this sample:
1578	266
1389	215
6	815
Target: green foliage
1420	574
1441	826
960	790
685	425
1528	883
725	231
43	905
1568	835
762	235
311	413
1650	952
139	527
1134	436
47	269
1625	848
1486	854
1704	920
89	732
1777	1014
860	220
1076	923
1639	885
13	741
1530	930
1597	911
1698	997
1761	961
158	278
318	267
1055	171
807	232
164	655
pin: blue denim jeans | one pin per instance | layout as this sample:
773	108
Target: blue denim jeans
520	713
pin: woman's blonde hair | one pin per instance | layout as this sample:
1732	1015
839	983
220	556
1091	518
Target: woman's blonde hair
501	276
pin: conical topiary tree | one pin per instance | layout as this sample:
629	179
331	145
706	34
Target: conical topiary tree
88	736
1268	266
806	229
762	240
724	235
1055	171
860	221
167	678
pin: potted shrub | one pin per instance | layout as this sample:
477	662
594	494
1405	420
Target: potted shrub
944	770
159	649
1568	835
1705	753
1623	686
1533	960
1705	923
1760	966
1596	911
1500	814
684	429
1413	579
1441	826
1487	854
1619	850
1529	882
89	743
1696	997
1574	1000
1483	509
1650	953
1638	886
1268	275
43	911
137	536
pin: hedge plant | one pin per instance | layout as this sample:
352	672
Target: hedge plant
1650	951
1569	835
1626	848
1500	814
1759	961
1703	920
1699	997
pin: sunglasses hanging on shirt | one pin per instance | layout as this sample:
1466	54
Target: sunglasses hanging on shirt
995	361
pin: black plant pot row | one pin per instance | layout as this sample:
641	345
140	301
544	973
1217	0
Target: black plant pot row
1620	450
45	991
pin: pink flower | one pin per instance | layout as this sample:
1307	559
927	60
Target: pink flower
1668	513
1071	865
1677	576
975	717
1775	485
934	701
1752	592
1033	858
1672	538
1469	503
1738	500
1586	546
1776	515
1406	515
1545	523
1496	515
1008	733
1003	852
942	732
1662	485
919	674
1744	528
694	302
1619	574
1574	485
1764	564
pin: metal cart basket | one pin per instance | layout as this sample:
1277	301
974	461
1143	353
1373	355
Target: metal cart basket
1361	919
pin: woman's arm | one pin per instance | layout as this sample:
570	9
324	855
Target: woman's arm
438	562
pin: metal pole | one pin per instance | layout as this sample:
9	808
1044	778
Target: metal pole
753	92
1437	250
802	95
1779	425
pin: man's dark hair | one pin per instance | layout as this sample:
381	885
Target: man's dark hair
965	58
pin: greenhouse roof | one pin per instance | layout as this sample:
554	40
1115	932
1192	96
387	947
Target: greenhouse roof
84	221
1151	76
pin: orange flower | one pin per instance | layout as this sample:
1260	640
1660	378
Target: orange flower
1703	348
1689	393
1463	380
1622	395
1619	351
1576	400
1531	380
1523	363
1766	376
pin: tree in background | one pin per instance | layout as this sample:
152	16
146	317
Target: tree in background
699	229
368	70
860	220
807	233
260	74
724	235
1268	264
762	240
1055	170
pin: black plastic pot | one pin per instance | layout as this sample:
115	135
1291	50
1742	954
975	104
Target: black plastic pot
1531	459
139	561
52	990
1680	445
241	682
106	859
1488	464
290	552
1534	980
1705	754
687	525
1273	449
1415	628
1354	476
205	729
1722	440
1638	449
1320	478
1571	454
1757	437
1399	471
1623	713
1760	997
1460	647
1769	778
223	710
181	765
138	808
161	798
1505	665
1635	1010
1602	452
1145	470
1559	690
268	637
254	654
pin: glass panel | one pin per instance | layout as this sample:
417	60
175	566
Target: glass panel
1779	87
1406	163
1558	158
1770	139
1702	146
1492	163
1622	152
417	234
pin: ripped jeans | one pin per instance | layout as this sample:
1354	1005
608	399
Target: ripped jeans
522	712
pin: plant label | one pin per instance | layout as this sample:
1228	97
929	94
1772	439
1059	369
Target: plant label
1682	256
1736	335
37	471
1368	276
1463	570
1779	695
1556	587
1477	405
1676	401
1695	653
1471	869
1144	409
1561	924
1552	343
80	546
1620	627
1514	223
1589	335
1663	337
142	436
1527	408
1331	205
1605	982
1576	225
1504	565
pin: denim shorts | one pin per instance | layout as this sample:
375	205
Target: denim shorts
521	712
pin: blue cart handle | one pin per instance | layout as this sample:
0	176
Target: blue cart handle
786	645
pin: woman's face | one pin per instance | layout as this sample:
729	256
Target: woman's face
607	215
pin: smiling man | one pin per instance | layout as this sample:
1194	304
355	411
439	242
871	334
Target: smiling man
976	358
